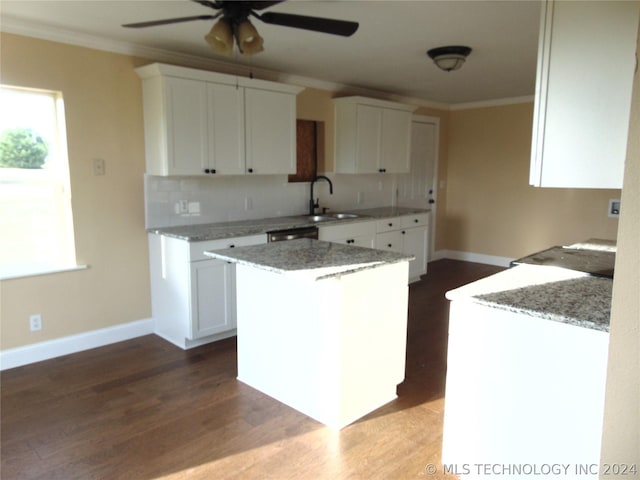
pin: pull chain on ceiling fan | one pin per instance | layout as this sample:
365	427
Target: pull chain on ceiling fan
234	23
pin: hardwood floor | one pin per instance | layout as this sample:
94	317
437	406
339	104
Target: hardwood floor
144	409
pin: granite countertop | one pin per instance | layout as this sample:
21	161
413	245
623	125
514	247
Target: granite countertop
552	293
308	258
593	256
244	228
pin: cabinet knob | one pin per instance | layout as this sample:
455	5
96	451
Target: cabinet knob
415	220
382	170
213	170
403	232
391	224
350	241
389	245
250	170
232	246
206	170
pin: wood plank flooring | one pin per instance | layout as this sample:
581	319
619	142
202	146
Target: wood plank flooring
144	409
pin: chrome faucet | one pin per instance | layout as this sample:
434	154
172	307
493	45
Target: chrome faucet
313	204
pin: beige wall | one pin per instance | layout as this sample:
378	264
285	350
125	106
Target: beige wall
621	433
102	98
491	209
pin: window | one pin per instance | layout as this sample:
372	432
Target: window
35	199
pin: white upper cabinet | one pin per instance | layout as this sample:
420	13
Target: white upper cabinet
226	129
372	136
270	131
205	123
586	63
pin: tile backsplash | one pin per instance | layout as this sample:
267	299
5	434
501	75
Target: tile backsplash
171	201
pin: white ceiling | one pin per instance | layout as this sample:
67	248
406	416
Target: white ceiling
387	53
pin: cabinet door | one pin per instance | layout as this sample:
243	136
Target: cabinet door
583	93
226	129
395	141
390	241
270	126
187	137
212	298
368	131
416	242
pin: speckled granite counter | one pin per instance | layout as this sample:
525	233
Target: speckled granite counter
551	293
243	228
312	259
594	256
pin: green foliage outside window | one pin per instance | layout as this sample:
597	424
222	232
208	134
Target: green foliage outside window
22	148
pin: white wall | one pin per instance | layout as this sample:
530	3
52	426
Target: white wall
233	198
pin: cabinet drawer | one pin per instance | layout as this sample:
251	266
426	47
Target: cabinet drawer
350	230
417	220
391	241
197	249
388	224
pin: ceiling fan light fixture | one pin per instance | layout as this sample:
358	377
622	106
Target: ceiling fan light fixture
449	58
220	37
249	41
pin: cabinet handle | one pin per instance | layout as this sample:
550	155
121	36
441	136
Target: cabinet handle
350	241
213	170
382	170
232	246
250	170
209	170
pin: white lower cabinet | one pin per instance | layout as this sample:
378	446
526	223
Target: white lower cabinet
212	289
193	297
359	234
406	234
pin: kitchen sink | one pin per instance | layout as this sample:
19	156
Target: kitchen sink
332	216
320	218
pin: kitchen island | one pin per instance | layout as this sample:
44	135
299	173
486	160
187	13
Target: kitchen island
526	369
321	326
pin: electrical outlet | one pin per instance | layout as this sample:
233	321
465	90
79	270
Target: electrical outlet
99	166
35	322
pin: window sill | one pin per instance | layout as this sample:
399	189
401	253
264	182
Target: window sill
9	275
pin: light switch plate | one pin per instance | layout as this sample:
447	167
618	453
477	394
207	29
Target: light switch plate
614	208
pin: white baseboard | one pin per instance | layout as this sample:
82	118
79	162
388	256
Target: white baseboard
16	357
472	257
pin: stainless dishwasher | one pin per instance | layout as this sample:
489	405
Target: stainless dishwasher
292	234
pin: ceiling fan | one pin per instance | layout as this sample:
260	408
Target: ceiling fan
234	22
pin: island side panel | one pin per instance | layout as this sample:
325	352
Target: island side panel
332	349
522	390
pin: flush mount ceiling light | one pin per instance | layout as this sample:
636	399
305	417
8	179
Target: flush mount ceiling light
449	58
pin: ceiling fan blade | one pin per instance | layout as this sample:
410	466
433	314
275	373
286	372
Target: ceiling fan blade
316	24
168	21
261	5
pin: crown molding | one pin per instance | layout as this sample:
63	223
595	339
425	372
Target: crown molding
492	103
42	31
